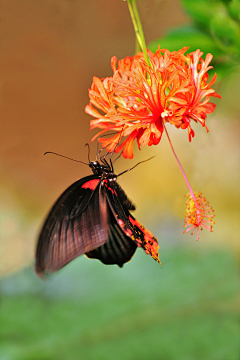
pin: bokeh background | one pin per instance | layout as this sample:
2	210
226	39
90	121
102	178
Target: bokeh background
185	310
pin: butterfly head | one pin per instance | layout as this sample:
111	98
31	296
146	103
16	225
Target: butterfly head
100	169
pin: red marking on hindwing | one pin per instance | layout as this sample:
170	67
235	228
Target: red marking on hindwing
109	187
112	190
134	222
150	243
121	223
91	184
128	232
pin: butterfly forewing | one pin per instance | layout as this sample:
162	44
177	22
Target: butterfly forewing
76	224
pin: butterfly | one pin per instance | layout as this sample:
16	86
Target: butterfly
92	217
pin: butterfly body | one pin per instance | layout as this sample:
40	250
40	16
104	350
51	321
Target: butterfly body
92	217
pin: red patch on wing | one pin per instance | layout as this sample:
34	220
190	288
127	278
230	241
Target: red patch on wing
109	187
150	244
91	184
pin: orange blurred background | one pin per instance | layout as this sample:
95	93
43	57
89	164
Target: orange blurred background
49	53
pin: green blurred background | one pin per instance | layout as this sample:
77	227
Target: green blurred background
188	309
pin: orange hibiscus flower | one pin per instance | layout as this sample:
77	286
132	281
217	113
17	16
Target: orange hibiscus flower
136	100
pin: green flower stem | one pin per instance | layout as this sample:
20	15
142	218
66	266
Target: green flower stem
138	28
134	23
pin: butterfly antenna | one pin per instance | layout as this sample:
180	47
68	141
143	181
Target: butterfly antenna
110	160
87	144
135	165
98	151
118	142
118	156
66	157
103	158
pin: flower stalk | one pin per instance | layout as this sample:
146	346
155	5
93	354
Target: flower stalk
198	212
178	161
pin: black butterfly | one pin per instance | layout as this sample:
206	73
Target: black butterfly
92	217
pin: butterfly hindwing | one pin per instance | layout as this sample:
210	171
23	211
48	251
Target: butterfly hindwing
123	197
118	249
76	224
128	224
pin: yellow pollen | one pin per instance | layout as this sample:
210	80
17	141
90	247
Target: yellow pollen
198	214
